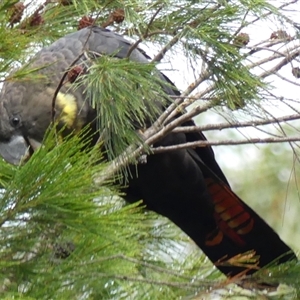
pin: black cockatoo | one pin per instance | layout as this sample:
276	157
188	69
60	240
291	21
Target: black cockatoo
187	186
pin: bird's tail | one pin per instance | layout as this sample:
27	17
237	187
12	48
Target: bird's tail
242	240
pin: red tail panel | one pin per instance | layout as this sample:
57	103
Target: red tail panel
230	214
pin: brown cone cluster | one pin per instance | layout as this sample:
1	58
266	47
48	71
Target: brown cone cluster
16	13
74	73
296	72
85	21
241	40
280	34
118	15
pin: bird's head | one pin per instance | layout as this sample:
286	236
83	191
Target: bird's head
29	97
26	110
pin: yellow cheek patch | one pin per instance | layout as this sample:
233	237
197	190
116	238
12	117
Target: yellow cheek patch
68	106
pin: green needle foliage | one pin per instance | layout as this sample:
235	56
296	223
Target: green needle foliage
127	96
63	237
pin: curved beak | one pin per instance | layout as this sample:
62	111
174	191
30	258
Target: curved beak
16	150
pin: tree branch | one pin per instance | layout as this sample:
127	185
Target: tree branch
282	63
223	143
276	55
167	47
221	126
146	34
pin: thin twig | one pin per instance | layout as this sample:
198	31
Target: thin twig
177	105
286	54
286	79
134	45
220	126
270	13
167	47
146	34
180	108
225	142
60	84
186	285
139	262
282	63
67	71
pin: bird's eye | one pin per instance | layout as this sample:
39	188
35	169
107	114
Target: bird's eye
15	121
